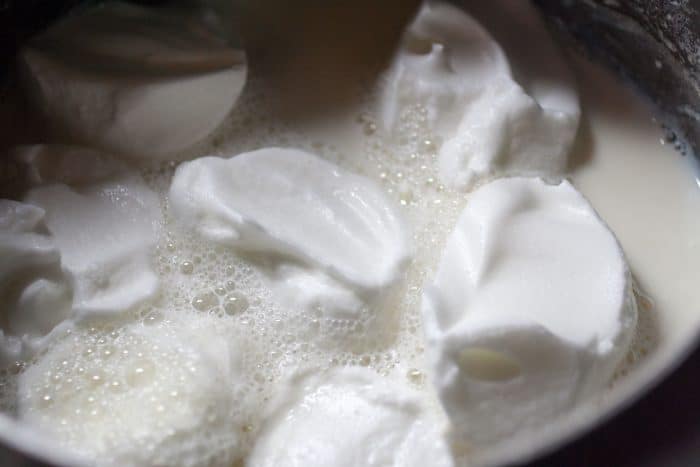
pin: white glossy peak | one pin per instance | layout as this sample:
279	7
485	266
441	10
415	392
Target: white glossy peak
530	310
292	203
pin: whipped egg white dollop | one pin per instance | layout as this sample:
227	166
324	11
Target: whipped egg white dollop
35	294
102	221
105	231
331	240
132	80
78	246
530	311
490	125
348	417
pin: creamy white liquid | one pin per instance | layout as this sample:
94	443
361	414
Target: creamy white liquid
647	193
316	93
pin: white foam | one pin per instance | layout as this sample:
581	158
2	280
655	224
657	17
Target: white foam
331	239
448	64
35	294
104	231
530	311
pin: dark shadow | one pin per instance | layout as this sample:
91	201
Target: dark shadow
18	124
584	146
661	430
345	44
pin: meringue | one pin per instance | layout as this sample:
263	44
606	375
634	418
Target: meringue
348	417
453	69
530	311
105	231
331	239
167	394
35	294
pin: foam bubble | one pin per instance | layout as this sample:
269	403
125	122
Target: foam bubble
172	392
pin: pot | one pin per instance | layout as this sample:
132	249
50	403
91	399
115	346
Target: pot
653	44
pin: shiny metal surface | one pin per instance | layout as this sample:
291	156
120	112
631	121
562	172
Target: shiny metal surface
653	43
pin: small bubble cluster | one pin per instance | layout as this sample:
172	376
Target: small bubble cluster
645	338
135	393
